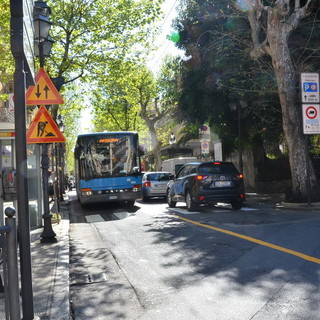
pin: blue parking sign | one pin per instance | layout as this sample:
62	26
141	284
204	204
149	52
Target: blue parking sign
310	87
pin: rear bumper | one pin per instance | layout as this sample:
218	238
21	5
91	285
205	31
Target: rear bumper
154	193
224	195
109	197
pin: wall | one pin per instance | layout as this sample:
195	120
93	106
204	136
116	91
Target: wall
250	176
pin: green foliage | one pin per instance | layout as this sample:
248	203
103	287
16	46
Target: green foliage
6	59
216	37
167	81
115	99
89	36
87	33
71	113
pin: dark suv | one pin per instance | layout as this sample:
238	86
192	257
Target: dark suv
207	183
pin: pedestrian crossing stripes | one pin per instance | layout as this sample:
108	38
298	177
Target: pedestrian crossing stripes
94	218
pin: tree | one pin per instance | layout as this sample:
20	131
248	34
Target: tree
87	33
114	109
7	62
254	44
271	26
71	113
130	97
218	74
158	100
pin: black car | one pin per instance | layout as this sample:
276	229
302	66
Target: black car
207	183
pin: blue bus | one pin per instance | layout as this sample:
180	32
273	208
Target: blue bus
107	167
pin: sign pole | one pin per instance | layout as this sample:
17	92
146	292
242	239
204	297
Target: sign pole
310	116
47	235
18	35
308	171
22	191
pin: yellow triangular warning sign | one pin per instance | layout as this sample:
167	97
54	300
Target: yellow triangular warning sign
44	92
44	129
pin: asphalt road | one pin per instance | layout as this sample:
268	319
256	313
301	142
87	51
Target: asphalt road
155	263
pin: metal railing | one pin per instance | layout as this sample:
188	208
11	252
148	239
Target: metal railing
9	261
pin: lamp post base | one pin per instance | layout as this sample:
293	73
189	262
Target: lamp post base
48	235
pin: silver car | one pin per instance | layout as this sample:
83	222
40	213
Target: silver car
154	184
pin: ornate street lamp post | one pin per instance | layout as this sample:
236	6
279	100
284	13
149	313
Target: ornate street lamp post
42	25
43	45
60	160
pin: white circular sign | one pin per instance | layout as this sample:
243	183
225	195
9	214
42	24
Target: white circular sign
311	112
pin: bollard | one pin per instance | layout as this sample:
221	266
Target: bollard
13	276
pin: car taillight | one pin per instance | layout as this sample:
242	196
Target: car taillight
200	177
147	184
240	176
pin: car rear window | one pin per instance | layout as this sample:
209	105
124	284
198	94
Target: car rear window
227	168
159	176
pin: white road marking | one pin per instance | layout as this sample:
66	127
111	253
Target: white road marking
122	214
94	218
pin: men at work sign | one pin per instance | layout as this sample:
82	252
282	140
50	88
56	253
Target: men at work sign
44	129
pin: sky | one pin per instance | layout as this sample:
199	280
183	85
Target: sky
165	47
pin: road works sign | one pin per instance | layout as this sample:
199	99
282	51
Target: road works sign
310	88
44	92
311	118
44	129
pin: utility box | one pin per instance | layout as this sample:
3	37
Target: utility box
173	165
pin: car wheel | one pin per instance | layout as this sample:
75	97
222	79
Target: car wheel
236	205
145	198
170	201
191	206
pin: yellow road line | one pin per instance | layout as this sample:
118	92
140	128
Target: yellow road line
263	243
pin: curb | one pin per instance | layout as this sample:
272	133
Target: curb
60	308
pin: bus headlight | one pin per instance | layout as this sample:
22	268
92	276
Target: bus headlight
86	192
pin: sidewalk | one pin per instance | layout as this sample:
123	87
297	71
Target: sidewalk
277	200
50	272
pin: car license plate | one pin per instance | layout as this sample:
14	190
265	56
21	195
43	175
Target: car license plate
223	183
113	197
159	186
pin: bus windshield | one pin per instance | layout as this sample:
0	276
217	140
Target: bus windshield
102	156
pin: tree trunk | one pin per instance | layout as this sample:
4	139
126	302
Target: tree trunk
156	149
287	76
